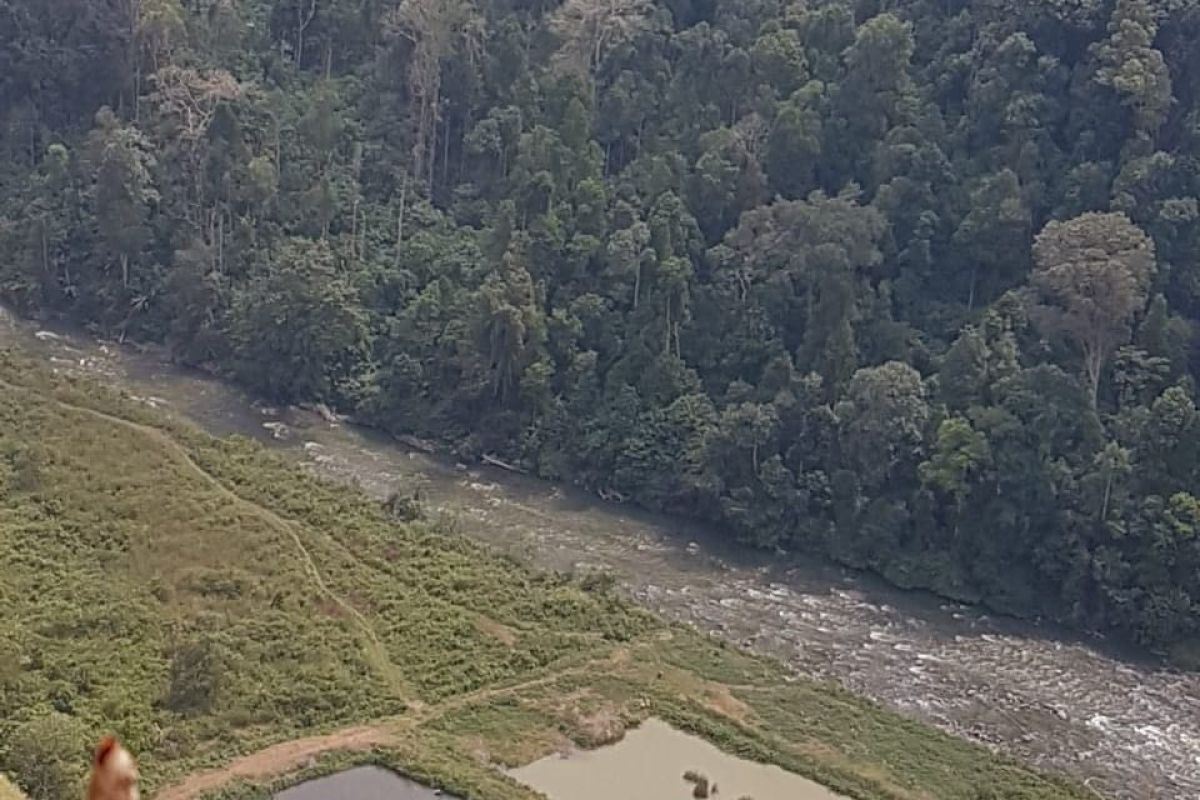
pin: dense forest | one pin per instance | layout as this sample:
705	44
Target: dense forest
906	283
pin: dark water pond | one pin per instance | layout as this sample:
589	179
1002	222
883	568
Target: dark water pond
362	783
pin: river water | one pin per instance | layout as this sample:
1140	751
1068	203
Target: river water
1127	727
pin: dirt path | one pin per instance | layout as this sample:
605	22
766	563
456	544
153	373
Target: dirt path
285	757
279	759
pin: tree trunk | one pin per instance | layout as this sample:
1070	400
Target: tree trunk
446	153
304	22
210	235
400	218
125	270
435	111
1107	496
419	146
135	14
137	88
1093	357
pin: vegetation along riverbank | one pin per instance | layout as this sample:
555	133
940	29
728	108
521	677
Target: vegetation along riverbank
912	285
209	601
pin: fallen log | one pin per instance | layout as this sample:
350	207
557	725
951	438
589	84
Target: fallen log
495	462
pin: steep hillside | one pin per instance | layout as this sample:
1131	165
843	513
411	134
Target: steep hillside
205	601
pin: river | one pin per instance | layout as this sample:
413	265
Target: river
1126	726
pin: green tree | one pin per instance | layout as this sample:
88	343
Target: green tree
52	215
510	328
1093	273
1113	463
795	142
872	95
959	454
435	30
196	675
882	419
805	262
963	378
994	236
1130	65
746	427
122	164
296	327
588	29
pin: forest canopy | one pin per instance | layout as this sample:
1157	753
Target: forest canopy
908	284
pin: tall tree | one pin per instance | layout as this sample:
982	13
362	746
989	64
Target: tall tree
1093	273
510	328
122	163
435	30
882	419
296	328
1133	68
588	29
994	236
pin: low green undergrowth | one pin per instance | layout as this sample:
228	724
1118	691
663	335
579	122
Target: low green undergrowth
204	599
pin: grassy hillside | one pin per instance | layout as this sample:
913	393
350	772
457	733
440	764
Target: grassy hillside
206	600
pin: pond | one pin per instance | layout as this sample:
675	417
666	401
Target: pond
362	783
649	764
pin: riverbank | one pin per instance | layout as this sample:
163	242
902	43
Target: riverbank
223	407
214	601
1129	729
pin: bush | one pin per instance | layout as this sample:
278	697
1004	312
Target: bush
47	756
195	680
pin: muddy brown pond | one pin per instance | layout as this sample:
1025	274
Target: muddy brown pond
1125	726
649	764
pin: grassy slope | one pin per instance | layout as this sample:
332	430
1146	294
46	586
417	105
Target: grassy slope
124	538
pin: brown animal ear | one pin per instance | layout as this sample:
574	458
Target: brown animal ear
105	748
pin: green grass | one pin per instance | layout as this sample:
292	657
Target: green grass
204	599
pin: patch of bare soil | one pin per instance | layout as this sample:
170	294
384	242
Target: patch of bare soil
277	760
497	630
